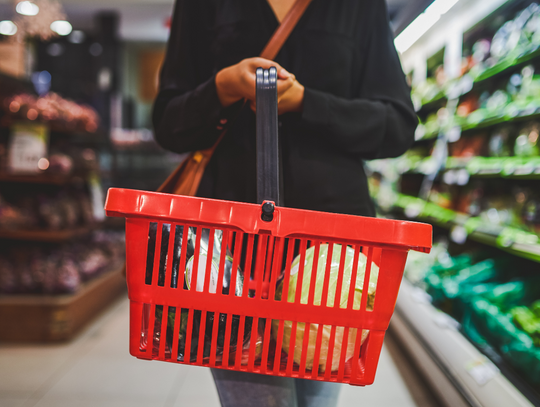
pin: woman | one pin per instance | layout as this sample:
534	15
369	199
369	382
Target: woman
342	98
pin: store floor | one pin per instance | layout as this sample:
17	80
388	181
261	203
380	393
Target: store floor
96	370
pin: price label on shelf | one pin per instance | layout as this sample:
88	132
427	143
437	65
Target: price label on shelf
459	234
27	146
96	197
482	370
445	321
420	296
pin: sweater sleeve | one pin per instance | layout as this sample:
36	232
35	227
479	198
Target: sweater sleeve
187	113
379	122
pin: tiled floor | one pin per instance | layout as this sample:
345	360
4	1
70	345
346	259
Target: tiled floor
96	370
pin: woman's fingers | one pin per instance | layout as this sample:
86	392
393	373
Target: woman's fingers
283	85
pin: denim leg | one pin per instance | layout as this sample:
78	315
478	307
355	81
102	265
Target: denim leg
310	393
241	389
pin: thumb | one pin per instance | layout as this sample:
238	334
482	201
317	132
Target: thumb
283	74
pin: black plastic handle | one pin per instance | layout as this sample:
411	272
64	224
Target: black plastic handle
267	137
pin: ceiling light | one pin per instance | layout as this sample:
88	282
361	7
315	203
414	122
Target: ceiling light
27	8
7	27
422	24
61	27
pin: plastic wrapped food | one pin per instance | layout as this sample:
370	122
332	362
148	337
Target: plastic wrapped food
334	273
185	271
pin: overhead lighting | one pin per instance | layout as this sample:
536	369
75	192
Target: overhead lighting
422	24
7	27
27	8
61	27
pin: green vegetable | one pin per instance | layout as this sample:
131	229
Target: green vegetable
320	276
526	320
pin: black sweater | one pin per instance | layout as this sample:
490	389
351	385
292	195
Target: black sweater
356	105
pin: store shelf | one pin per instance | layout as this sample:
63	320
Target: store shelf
55	127
437	102
48	318
490	122
501	167
52	236
515	241
504	67
457	371
42	178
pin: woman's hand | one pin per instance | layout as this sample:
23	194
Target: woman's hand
237	82
292	100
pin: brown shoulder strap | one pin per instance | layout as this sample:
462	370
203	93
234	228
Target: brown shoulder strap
281	34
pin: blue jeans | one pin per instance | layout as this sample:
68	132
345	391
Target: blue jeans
240	389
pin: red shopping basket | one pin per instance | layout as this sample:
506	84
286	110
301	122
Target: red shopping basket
290	293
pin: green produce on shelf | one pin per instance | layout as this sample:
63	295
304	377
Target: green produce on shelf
525	319
428	91
535	308
497	317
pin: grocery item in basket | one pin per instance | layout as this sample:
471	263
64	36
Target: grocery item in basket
201	276
333	279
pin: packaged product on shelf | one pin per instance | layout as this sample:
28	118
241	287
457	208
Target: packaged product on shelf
526	144
499	143
8	278
467	106
91	261
468	147
53	109
531	212
50	212
13	217
60	163
441	196
480	53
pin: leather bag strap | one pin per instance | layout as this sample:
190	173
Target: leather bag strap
281	34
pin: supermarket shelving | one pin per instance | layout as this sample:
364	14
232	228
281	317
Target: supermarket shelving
501	167
503	67
512	240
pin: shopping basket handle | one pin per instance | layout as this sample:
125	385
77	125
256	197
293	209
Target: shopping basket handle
267	137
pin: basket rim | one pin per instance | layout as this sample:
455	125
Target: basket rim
287	222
